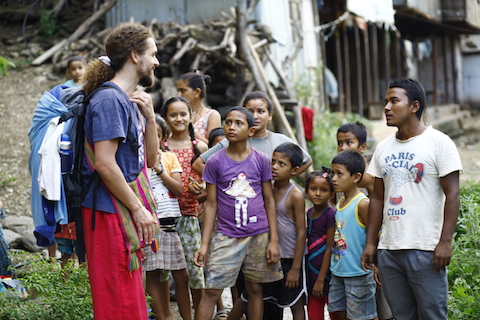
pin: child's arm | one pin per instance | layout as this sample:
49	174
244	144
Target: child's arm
273	251
208	224
317	290
145	105
298	204
173	182
375	217
363	211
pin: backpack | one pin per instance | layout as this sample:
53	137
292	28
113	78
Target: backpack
76	101
70	105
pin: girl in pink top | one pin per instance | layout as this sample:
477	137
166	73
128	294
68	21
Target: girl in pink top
193	87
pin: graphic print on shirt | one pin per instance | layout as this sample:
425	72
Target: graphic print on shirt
339	244
241	189
402	171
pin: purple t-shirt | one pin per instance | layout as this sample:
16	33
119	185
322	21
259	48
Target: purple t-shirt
240	206
106	118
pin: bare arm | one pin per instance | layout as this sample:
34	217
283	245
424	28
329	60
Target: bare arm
198	166
173	182
144	102
375	218
363	211
214	121
317	290
298	204
443	250
208	224
273	251
113	178
304	167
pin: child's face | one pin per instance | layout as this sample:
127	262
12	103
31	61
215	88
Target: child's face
281	167
160	134
178	116
76	69
236	127
217	139
187	92
342	179
347	140
319	191
260	112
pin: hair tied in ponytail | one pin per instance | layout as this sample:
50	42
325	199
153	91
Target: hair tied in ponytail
106	60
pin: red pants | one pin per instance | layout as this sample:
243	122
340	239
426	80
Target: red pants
316	309
116	292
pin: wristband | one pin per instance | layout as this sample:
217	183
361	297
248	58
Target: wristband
161	171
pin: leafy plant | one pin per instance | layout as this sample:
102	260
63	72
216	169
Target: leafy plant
4	64
54	293
324	145
463	276
48	22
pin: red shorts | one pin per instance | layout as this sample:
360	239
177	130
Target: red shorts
116	292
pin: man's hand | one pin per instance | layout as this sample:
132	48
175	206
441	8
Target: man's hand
145	223
144	102
442	255
366	261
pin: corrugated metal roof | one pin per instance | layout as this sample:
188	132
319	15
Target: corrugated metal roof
182	12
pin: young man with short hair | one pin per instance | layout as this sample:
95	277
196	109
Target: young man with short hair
416	196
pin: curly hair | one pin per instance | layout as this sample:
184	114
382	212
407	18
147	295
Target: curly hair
119	44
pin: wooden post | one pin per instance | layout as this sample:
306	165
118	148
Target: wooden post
368	69
339	63
446	78
376	82
434	67
453	43
346	63
358	70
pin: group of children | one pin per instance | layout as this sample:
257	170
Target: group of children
253	227
255	236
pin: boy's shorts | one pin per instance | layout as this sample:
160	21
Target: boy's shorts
66	246
278	294
356	295
228	255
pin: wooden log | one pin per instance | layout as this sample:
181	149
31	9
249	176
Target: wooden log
280	73
188	45
84	27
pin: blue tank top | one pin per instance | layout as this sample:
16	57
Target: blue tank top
349	240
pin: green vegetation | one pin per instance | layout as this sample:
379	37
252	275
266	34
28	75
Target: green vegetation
6	179
53	293
48	21
4	64
463	275
324	145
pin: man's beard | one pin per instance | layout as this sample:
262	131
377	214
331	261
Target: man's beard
146	80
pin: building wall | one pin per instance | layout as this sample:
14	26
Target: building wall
471	76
